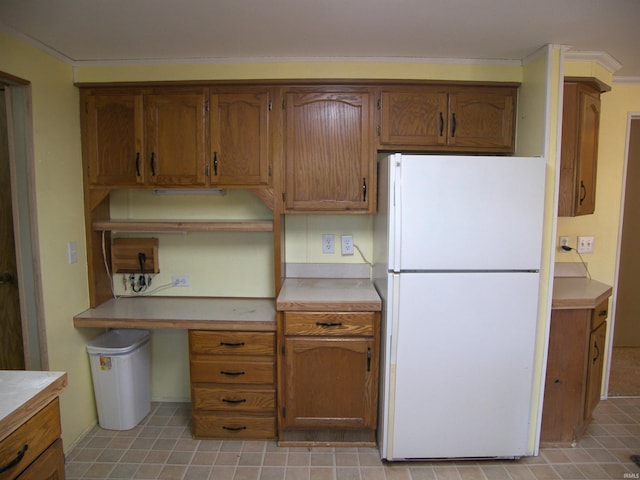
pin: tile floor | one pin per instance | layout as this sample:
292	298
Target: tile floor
161	447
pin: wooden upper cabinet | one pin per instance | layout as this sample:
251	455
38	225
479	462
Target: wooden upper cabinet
329	156
482	119
174	123
579	154
448	118
112	137
413	116
240	138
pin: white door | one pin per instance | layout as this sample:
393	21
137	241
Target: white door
469	213
463	359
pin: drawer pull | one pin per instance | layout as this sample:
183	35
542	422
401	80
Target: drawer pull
16	460
233	345
234	429
329	324
234	400
231	374
603	313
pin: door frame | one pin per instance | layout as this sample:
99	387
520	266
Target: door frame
630	117
17	93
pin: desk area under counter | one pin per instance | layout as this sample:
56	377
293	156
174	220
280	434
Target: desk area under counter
231	356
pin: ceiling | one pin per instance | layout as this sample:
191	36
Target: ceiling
170	31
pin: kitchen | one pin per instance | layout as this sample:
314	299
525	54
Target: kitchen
170	383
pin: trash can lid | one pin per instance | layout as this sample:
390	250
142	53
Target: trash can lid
118	341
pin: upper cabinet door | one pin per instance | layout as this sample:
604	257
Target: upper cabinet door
579	154
175	137
413	116
329	159
112	130
240	138
482	119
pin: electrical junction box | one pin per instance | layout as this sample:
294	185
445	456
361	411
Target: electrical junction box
134	255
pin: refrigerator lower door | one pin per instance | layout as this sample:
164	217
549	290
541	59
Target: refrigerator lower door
463	361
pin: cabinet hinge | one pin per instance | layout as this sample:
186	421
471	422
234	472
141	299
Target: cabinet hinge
270	105
206	105
269	170
283	196
283	104
378	130
282	349
380	103
284	412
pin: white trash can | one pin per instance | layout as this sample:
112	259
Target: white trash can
120	370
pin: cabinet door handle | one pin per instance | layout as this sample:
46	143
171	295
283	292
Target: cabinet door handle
215	164
368	359
603	313
234	345
234	429
583	192
234	400
364	189
595	344
16	460
441	124
454	125
137	164
231	374
153	164
329	324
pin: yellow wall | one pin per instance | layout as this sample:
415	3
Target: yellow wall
60	218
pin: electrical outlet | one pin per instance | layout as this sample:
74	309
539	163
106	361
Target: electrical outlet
585	244
180	281
564	242
347	245
328	243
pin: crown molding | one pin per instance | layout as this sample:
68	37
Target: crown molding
602	58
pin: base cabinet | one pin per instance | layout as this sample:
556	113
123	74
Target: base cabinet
328	377
232	384
574	372
34	451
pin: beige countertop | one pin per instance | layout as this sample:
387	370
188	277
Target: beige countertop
328	294
578	292
197	313
23	393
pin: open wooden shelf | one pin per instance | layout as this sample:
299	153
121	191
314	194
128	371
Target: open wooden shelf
183	226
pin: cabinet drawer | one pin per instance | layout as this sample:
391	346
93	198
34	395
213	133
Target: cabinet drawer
231	343
31	439
230	370
600	314
327	323
233	426
231	399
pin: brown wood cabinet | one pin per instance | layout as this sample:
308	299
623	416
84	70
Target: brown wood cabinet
142	137
240	138
579	151
328	377
328	149
113	137
232	384
34	450
448	118
174	137
574	372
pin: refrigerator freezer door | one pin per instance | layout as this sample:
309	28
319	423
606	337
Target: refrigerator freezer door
468	213
463	358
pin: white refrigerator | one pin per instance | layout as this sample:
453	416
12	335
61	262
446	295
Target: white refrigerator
457	254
